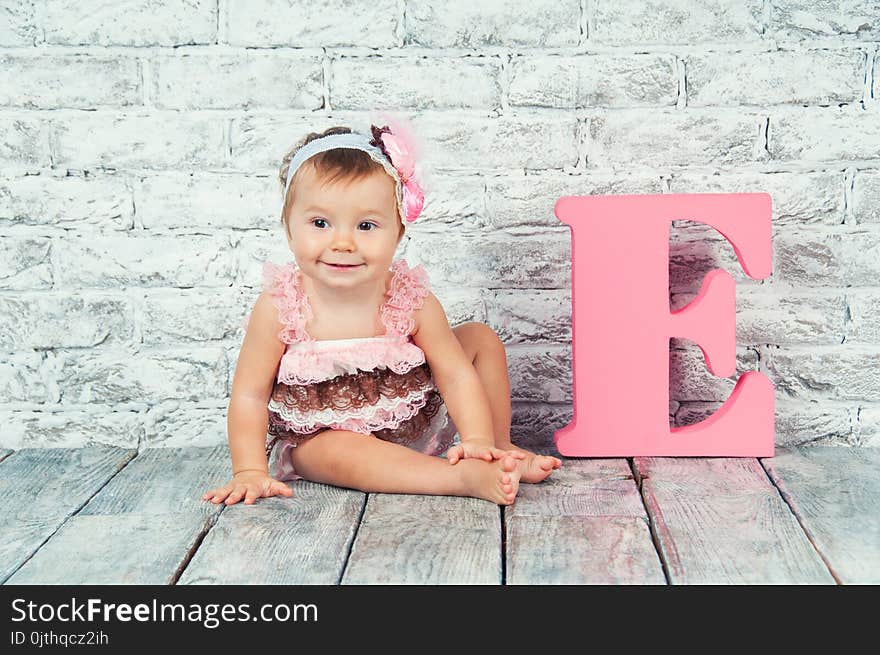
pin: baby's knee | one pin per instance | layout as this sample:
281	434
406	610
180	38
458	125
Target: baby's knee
481	334
325	452
488	338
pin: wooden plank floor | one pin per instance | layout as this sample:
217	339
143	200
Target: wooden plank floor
109	515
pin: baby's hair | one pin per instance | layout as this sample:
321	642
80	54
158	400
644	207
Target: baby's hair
335	164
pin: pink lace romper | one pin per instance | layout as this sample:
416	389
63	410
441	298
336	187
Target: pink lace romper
378	385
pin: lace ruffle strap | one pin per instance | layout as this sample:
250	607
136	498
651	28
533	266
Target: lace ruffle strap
293	312
409	288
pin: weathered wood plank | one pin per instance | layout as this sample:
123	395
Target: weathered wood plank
300	540
414	539
164	480
41	488
115	549
585	524
140	528
835	492
721	521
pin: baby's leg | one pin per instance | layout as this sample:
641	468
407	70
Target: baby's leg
489	357
363	462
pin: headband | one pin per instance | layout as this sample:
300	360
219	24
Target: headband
393	153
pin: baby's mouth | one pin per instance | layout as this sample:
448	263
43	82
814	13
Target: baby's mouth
341	265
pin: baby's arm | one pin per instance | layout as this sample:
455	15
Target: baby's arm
457	380
248	413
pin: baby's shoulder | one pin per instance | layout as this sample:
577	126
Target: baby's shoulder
429	313
265	317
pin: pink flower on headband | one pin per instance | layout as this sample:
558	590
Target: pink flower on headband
399	146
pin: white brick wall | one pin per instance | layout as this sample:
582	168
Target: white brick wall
140	140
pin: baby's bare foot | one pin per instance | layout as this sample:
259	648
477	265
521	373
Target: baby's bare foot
496	481
535	468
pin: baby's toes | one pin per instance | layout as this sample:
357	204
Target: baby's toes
548	463
508	464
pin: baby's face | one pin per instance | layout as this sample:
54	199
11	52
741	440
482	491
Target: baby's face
350	222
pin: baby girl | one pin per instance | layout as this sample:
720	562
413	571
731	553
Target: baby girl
348	364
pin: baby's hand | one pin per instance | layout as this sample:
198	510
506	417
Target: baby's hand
250	485
481	449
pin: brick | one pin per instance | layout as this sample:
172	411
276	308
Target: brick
690	378
313	24
775	314
813	77
876	89
461	305
866	193
24	141
154	140
695	249
18	23
812	424
148	260
864	309
796	423
823	259
25	262
494	261
810	19
869	426
80	81
462	141
798	199
540	372
68	428
466	24
174	424
216	200
666	137
195	374
129	23
64	319
840	372
20	377
676	22
453	202
527	201
531	316
593	81
192	315
400	82
243	80
814	134
533	425
102	201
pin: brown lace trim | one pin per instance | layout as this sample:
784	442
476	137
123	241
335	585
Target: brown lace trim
352	391
404	434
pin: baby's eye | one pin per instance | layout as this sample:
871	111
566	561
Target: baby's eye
315	222
368	223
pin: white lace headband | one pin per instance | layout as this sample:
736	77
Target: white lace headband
406	189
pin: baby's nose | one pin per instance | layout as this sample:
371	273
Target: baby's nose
343	241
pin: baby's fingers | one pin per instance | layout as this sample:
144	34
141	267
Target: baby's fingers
251	494
216	495
236	495
454	454
279	488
